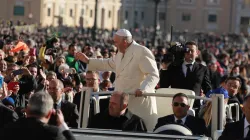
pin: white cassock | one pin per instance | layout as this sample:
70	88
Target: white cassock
137	69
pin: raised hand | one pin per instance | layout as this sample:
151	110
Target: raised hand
82	57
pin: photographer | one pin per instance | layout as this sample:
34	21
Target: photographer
35	126
186	73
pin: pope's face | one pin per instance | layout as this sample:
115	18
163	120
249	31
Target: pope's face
119	43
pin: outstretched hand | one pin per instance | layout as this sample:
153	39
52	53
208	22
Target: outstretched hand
82	57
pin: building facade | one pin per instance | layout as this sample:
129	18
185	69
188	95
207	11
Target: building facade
189	15
185	15
241	16
65	12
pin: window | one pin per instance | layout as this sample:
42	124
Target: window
18	10
187	1
126	14
136	14
213	2
48	12
82	12
142	15
61	10
162	16
91	13
186	17
212	18
244	20
109	14
71	13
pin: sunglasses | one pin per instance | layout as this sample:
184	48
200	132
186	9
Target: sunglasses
181	104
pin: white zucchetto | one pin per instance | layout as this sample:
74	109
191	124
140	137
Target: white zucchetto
123	32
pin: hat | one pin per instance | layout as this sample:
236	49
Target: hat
219	90
9	101
123	32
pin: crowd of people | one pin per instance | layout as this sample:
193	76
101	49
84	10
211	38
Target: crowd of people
42	76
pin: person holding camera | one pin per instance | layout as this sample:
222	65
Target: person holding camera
188	74
35	126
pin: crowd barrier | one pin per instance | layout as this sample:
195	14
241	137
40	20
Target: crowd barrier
218	109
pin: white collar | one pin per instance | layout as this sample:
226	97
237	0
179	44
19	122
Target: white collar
185	63
59	101
246	123
183	119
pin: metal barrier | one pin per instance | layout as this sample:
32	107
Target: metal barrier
218	109
229	111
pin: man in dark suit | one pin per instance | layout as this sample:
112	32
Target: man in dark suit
69	109
180	107
6	115
35	127
118	116
187	74
240	129
233	85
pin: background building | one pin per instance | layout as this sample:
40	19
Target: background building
191	15
65	12
185	15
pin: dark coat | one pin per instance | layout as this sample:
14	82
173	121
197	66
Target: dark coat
34	129
233	131
70	113
7	115
198	79
126	122
196	125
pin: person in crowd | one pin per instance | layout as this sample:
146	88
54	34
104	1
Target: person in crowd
23	88
3	67
233	86
118	116
105	85
215	76
69	109
206	109
7	116
136	71
70	58
235	72
35	126
180	108
239	129
188	74
59	61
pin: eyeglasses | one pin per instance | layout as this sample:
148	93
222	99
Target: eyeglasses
181	104
90	79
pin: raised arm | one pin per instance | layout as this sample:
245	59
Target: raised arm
97	64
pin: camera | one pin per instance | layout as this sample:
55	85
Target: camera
175	53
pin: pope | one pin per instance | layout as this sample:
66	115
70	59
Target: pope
136	72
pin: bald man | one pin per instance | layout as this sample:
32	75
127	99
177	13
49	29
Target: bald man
118	116
136	72
69	109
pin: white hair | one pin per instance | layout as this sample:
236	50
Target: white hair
40	104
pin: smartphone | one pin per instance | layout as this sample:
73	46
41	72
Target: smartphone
11	85
1	81
17	72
